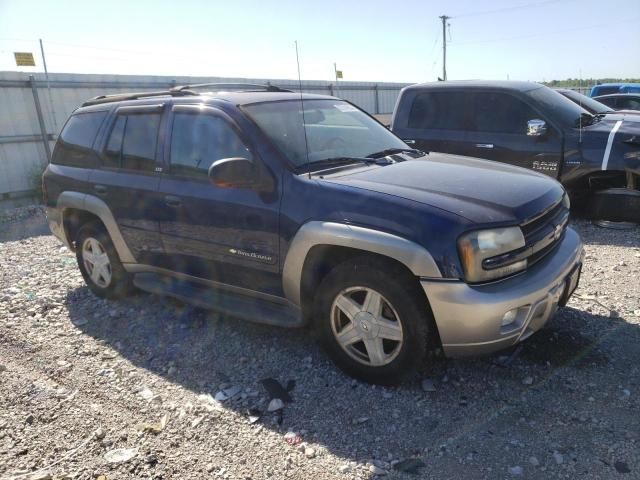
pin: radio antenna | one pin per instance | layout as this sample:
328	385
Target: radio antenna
580	130
304	123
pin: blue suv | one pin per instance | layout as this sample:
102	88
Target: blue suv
305	211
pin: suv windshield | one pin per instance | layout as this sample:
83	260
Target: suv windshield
335	129
561	108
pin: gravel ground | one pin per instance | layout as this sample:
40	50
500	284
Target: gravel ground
83	381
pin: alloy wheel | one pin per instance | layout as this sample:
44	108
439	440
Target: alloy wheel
366	326
96	262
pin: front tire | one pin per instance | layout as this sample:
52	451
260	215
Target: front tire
373	320
99	263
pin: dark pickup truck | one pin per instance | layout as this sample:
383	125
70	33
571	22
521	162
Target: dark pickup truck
595	156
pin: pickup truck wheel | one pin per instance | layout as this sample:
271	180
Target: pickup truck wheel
99	263
372	322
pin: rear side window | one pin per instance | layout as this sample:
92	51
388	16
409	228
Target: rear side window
76	139
609	102
199	140
499	113
628	104
113	151
438	111
132	142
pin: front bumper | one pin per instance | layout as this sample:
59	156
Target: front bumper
469	317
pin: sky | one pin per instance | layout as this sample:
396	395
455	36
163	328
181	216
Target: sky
392	41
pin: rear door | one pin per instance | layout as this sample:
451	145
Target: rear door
128	177
498	131
436	121
224	234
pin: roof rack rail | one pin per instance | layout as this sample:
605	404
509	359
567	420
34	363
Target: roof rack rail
118	97
246	87
181	91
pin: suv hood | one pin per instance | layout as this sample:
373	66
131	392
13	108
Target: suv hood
481	191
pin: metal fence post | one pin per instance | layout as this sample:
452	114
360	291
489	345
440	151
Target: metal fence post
330	87
43	129
377	98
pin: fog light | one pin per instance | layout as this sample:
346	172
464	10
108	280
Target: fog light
510	317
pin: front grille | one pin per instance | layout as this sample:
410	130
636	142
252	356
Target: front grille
543	233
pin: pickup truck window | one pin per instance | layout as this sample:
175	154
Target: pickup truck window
199	140
499	113
628	103
557	106
439	111
333	129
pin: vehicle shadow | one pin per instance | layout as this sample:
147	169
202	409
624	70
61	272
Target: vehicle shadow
203	352
592	234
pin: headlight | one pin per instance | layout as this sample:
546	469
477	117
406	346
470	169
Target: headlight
491	254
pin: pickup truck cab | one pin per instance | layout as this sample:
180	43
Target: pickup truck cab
305	211
621	101
603	105
595	156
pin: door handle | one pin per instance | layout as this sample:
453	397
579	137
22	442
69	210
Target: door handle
172	201
409	141
484	145
100	189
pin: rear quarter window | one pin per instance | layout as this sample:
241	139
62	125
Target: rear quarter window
74	146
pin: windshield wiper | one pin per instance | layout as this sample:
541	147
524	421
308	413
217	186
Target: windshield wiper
333	162
586	119
391	151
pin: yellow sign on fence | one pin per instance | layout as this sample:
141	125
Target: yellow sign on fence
338	73
24	59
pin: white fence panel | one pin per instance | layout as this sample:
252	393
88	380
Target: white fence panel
22	151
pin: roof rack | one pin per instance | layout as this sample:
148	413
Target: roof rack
246	87
182	91
118	97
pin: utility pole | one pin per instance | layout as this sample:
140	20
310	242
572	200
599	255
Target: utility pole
52	112
444	19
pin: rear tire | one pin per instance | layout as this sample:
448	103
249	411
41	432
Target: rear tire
373	320
99	263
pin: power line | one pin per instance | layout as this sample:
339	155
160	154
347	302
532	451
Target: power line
545	34
508	9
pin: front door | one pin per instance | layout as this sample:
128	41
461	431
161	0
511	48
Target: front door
228	235
498	131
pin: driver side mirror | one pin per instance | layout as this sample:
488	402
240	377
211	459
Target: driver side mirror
239	172
536	128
